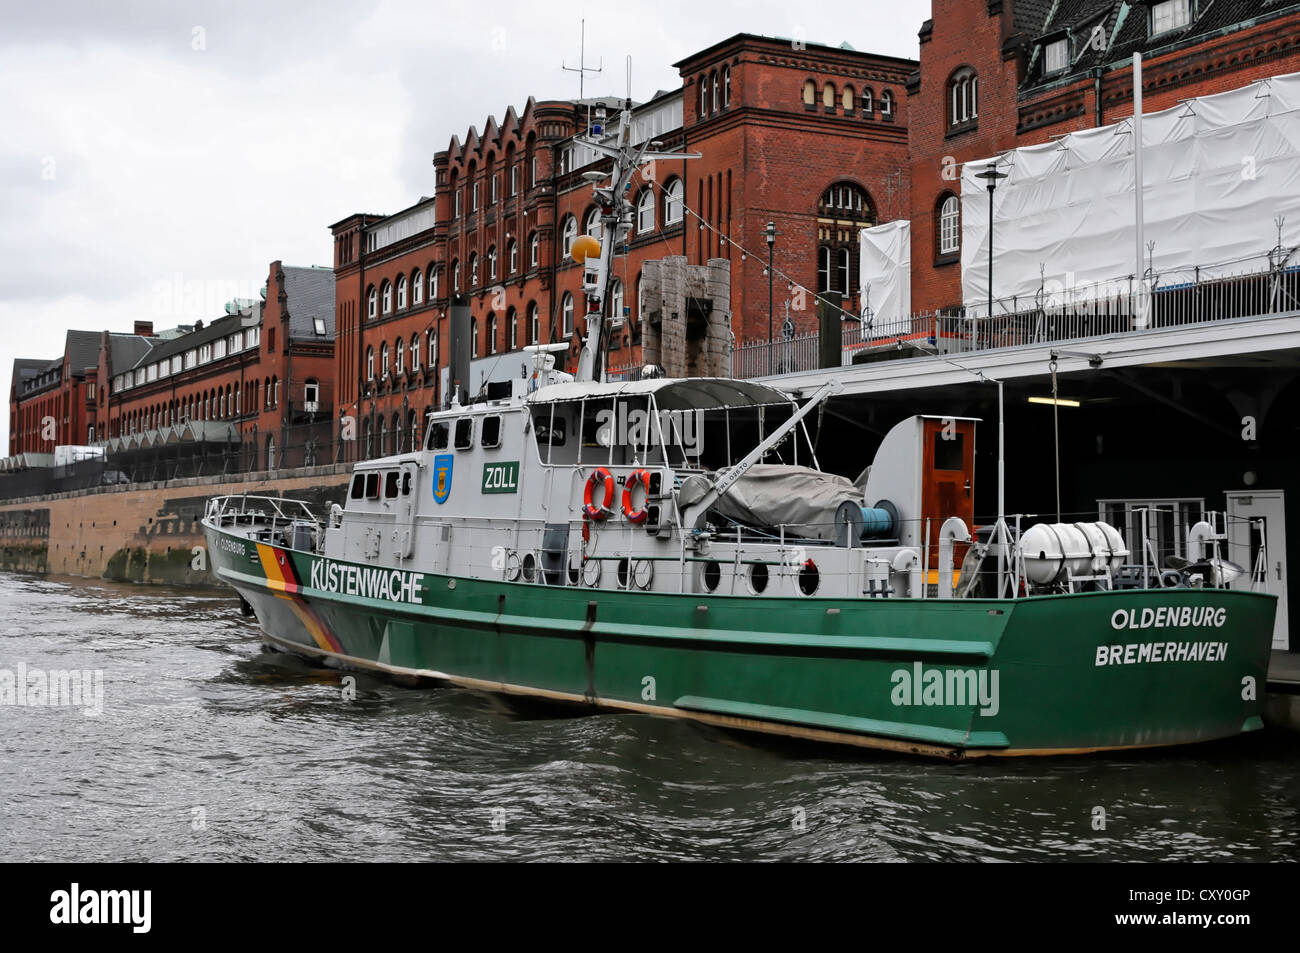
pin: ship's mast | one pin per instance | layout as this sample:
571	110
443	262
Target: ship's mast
612	195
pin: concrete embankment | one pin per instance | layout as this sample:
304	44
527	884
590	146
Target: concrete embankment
144	532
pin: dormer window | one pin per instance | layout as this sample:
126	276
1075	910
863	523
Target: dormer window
1056	56
1170	15
963	97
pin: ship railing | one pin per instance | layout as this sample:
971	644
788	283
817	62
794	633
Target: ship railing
264	512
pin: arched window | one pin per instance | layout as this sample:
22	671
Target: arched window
383	360
645	212
593	223
372	302
383	436
809	93
886	104
512	256
512	329
828	95
397	432
846	98
473	337
417	287
386	296
473	270
370	368
717	91
566	310
868	102
415	351
616	301
568	232
399	359
433	350
949	224
433	283
674	201
414	426
401	292
455	276
963	97
492	334
534	323
844	210
534	250
726	86
703	91
492	263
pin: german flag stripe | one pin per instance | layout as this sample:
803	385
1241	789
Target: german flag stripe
282	578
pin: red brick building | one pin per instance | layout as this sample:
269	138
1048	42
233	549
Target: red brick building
999	74
256	377
809	137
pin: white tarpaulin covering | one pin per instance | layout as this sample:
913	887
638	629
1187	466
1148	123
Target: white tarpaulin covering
1218	171
886	272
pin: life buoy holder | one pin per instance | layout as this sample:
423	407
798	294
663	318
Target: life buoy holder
592	510
635	478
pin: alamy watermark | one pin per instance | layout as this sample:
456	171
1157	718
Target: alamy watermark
946	687
627	426
55	688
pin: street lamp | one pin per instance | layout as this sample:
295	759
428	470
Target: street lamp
992	176
771	240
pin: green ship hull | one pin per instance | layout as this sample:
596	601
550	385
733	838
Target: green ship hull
953	678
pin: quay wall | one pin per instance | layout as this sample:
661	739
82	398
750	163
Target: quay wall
143	532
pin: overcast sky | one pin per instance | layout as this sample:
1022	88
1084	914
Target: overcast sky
158	154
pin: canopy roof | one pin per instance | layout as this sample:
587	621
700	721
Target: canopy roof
691	393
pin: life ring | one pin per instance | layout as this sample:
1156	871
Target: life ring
641	477
603	510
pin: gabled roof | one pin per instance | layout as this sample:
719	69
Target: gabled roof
311	295
81	350
125	350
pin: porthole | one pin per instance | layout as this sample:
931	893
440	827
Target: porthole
512	566
712	576
758	578
643	573
591	572
809	578
622	572
529	567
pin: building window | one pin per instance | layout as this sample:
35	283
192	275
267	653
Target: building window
1056	56
417	287
459	209
1170	15
415	351
400	356
433	283
370	366
534	251
492	334
514	180
473	205
950	225
809	93
512	329
717	91
846	98
886	104
963	97
828	95
494	180
455	276
844	210
372	308
433	350
703	88
512	256
473	271
616	301
645	212
383	360
386	298
843	279
311	391
568	232
674	200
534	323
473	337
401	292
593	223
492	263
726	86
567	312
868	104
823	269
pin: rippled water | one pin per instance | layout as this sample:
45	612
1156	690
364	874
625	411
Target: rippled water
210	748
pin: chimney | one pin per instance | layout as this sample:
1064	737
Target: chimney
144	328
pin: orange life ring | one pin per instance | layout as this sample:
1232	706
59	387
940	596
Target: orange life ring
603	510
636	476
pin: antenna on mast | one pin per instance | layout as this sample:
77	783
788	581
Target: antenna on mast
582	69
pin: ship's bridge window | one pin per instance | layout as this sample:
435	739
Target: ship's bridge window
390	485
358	486
406	484
372	485
465	433
438	434
549	429
491	435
